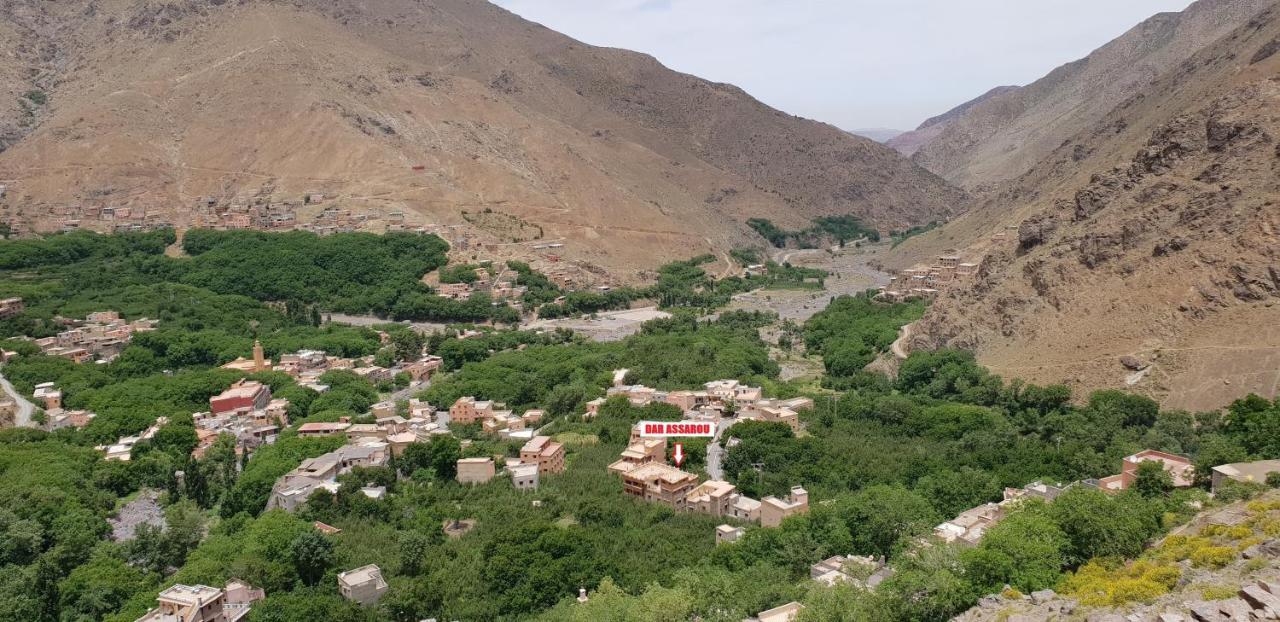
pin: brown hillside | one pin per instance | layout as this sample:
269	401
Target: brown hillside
1005	133
156	104
1155	235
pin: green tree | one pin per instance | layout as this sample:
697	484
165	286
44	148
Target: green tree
1099	525
312	555
414	546
1152	480
1025	550
882	519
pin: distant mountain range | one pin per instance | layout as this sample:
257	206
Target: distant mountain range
429	108
878	134
1003	133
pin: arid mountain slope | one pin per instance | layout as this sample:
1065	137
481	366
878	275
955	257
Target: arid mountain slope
430	108
1155	235
1004	133
908	143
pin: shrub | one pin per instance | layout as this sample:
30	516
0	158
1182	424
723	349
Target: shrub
1217	592
1103	583
1213	556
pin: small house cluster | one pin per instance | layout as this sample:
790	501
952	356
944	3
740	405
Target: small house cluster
862	571
306	366
245	411
972	524
925	283
101	336
49	397
540	456
494	418
500	288
122	450
321	473
646	475
719	397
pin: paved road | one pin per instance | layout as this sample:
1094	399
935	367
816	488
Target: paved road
715	451
25	408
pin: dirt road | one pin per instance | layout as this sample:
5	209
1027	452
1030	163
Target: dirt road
22	418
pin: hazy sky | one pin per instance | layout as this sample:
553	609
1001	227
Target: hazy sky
852	63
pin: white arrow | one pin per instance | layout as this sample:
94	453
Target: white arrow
679	454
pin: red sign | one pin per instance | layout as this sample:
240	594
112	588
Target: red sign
665	429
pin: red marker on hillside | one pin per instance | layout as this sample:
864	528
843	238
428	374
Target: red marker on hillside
679	455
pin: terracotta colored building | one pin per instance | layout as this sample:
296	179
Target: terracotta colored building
544	452
242	394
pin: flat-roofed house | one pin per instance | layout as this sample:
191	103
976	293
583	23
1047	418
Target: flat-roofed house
786	613
188	603
774	510
365	430
319	428
1253	472
475	470
467	410
201	603
728	533
363	585
972	524
544	452
524	476
745	508
640	451
1180	470
712	497
660	483
243	394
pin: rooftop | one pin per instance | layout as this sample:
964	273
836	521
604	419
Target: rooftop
362	575
190	594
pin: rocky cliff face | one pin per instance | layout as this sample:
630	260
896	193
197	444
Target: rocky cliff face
1154	235
428	108
1004	133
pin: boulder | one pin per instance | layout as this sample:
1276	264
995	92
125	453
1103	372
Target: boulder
1043	596
1134	363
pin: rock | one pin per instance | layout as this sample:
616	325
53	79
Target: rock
1170	246
1171	617
1204	611
1105	617
1259	598
1043	596
1134	363
1036	230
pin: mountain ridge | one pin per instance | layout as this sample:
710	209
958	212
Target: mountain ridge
157	105
1000	136
1133	255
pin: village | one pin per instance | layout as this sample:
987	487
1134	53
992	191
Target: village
248	413
925	283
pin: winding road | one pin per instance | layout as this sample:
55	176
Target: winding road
22	418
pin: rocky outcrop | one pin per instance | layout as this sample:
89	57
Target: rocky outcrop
1163	236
